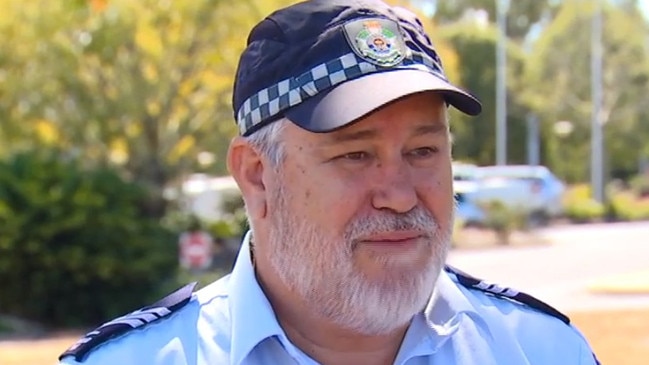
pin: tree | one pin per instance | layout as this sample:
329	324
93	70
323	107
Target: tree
474	137
559	70
143	85
521	17
75	248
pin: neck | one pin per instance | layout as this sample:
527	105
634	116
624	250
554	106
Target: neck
329	345
323	341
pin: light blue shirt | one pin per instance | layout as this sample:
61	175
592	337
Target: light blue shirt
231	322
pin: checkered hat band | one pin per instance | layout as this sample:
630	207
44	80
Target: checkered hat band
287	93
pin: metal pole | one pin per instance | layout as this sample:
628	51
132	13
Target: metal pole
597	160
533	140
501	84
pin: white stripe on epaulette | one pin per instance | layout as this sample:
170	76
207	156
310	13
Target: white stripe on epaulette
139	317
496	289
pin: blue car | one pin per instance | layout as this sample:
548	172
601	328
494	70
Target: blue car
467	211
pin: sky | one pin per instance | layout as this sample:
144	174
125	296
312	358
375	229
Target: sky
644	5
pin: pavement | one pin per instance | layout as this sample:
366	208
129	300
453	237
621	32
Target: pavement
585	267
632	281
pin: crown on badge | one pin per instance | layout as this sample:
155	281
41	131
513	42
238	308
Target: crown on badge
373	26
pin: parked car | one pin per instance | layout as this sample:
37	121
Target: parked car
542	191
467	211
464	171
532	190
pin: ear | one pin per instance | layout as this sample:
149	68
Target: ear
246	167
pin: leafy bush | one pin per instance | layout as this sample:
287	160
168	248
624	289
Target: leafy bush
640	185
629	207
580	207
75	248
234	222
503	220
5	327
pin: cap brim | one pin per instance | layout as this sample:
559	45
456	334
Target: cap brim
356	98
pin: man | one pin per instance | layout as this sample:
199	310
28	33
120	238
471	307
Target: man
345	168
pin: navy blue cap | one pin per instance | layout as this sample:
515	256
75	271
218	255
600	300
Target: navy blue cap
326	63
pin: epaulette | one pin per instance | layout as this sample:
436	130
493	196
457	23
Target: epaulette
471	282
119	326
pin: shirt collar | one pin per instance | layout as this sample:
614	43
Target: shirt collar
440	320
447	304
252	316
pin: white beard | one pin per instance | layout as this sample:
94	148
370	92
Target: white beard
320	268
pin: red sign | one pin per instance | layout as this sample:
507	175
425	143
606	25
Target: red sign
196	250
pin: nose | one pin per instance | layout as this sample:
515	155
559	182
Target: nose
394	188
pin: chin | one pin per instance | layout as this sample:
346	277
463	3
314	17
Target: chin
397	270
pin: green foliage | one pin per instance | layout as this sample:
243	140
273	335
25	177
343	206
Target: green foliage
521	16
184	277
232	224
557	86
142	85
630	203
629	207
202	279
580	207
5	327
503	220
75	247
146	85
474	137
225	228
176	219
640	185
235	215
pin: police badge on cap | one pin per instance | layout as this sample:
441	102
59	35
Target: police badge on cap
378	41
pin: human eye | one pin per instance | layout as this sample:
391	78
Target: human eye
355	156
423	152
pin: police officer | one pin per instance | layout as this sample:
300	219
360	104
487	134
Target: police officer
344	163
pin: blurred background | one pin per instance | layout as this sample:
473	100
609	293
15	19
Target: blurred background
115	116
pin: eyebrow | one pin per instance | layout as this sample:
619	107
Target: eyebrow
366	134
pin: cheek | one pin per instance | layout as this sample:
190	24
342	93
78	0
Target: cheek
437	197
325	199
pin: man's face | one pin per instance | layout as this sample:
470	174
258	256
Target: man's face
361	217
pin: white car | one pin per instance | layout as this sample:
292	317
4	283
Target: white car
532	190
543	190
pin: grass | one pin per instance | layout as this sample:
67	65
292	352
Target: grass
35	352
618	337
635	282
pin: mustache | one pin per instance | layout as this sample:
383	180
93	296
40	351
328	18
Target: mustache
417	219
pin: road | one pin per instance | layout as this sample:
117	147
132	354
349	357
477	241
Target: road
560	273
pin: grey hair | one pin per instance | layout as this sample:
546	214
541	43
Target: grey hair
269	141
